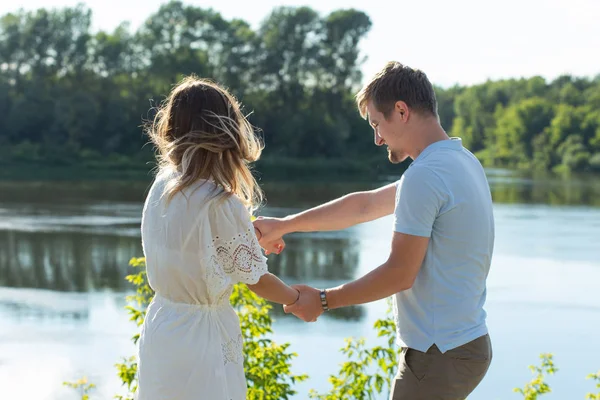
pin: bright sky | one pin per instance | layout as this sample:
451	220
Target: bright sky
453	41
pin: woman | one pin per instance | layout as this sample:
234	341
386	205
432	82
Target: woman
199	241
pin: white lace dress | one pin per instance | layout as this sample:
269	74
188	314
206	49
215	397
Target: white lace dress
196	249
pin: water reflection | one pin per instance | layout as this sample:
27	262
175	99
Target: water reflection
72	261
65	261
321	261
93	254
79	236
539	188
308	258
554	193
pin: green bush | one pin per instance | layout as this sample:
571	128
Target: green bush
356	378
595	377
267	364
537	386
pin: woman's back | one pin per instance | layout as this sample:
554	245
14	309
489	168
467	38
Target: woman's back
199	241
197	246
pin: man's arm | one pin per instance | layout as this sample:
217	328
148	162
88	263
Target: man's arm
347	211
398	273
420	198
421	195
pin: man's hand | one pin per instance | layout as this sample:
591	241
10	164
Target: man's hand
308	307
270	234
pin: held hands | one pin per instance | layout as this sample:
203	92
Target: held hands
269	232
308	306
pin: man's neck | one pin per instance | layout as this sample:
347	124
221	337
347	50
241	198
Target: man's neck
429	132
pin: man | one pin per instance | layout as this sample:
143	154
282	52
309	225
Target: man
441	248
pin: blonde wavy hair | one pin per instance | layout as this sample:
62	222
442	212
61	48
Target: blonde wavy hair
200	131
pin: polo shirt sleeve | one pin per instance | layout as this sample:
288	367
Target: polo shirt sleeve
420	195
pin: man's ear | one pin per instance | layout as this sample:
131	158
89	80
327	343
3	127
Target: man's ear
402	108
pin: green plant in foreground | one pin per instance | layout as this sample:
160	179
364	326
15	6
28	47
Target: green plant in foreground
83	386
537	386
127	369
596	378
368	371
267	364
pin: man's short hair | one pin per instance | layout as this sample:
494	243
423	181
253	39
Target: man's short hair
398	82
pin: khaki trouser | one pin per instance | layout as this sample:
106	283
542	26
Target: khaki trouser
436	376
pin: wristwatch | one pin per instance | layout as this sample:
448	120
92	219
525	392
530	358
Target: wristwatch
324	300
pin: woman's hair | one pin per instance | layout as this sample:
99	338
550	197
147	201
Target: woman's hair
200	131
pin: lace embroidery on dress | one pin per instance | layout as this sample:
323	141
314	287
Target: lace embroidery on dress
232	351
240	255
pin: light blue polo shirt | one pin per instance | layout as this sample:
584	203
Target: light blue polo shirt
444	195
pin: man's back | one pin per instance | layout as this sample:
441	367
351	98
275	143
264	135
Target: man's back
445	195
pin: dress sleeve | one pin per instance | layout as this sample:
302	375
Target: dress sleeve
234	243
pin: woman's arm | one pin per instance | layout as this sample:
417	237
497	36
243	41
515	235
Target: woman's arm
273	289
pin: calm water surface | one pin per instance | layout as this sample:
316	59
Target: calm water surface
65	246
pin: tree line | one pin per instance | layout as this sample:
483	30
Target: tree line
72	97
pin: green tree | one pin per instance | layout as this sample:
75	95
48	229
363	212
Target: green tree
517	126
74	97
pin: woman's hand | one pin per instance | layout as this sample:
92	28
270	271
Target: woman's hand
269	232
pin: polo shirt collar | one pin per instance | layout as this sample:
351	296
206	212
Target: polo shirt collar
454	143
